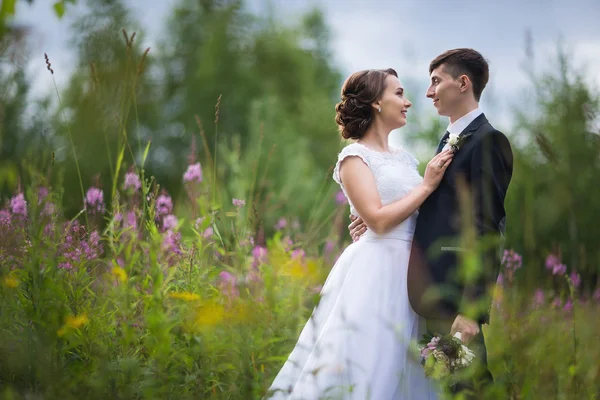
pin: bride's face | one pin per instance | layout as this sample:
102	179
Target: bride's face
394	106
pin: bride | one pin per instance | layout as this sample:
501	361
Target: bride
356	344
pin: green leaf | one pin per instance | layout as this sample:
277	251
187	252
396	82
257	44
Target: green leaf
8	8
59	8
9	174
117	170
572	370
146	150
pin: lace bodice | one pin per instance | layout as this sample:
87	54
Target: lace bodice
395	172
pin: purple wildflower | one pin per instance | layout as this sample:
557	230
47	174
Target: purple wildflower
329	246
4	217
94	200
238	202
164	204
131	221
193	173
556	303
228	284
171	242
169	222
208	233
298	254
559	269
552	261
132	181
425	352
49	230
259	254
49	208
340	198
575	279
93	247
18	205
65	265
288	243
596	295
568	306
281	224
77	246
512	260
430	347
42	194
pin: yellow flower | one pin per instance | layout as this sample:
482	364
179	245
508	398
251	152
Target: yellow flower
10	281
307	271
187	296
76	321
73	322
120	274
209	315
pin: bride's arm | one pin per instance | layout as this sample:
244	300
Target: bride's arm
360	187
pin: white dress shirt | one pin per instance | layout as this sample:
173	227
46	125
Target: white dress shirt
460	124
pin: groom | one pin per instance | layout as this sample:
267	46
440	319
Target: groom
466	213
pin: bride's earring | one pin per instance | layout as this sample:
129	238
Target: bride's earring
379	108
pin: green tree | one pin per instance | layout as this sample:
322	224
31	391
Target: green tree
553	197
277	88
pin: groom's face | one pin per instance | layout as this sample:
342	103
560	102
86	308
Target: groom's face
444	90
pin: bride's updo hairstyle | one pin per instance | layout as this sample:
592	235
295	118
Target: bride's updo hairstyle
354	114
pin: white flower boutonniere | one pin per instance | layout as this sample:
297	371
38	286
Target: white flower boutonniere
455	141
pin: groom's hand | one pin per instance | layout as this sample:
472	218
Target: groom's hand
357	227
467	327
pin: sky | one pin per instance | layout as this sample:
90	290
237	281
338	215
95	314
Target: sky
404	35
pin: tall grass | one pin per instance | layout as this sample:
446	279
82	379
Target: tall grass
140	296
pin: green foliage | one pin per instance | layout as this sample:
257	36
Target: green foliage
551	204
155	313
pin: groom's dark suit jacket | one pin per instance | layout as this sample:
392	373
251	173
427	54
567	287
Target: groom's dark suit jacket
483	168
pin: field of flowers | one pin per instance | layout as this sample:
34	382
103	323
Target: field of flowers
141	302
114	287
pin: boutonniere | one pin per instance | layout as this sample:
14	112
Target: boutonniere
455	141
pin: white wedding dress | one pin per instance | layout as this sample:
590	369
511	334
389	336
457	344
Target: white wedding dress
360	341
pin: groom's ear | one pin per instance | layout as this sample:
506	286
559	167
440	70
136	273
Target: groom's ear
464	83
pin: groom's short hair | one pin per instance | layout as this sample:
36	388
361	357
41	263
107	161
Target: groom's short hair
463	61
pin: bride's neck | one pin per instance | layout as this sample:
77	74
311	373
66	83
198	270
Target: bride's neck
376	139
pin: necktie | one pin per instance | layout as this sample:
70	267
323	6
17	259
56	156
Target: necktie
441	145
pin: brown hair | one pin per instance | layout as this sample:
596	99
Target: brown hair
354	114
468	62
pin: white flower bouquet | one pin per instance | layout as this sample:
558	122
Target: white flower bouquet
441	356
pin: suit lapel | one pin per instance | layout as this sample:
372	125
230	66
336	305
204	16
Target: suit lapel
472	128
475	124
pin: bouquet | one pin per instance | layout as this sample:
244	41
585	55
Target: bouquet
441	356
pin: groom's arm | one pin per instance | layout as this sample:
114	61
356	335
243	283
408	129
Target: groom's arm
491	172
